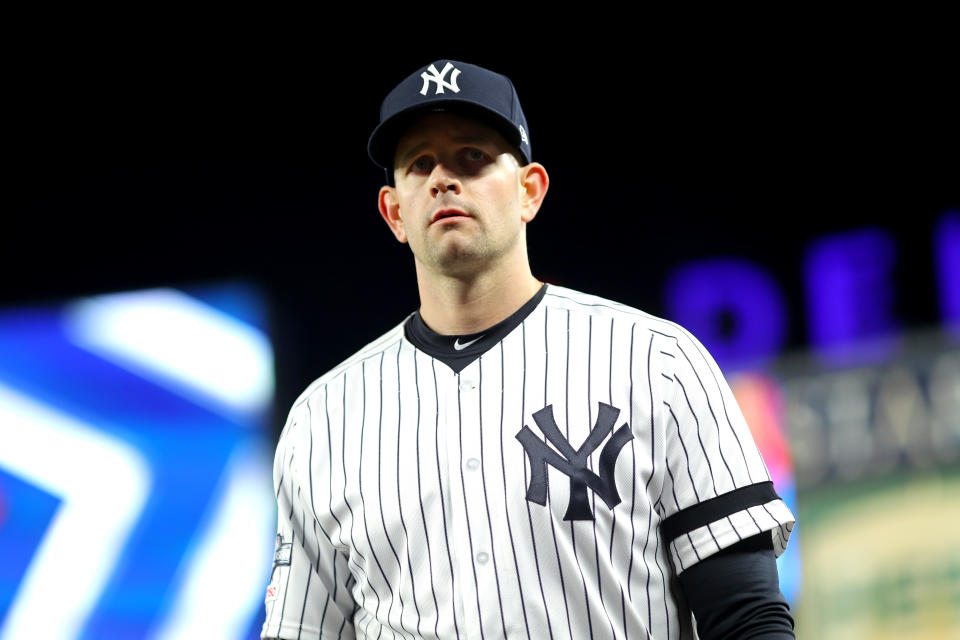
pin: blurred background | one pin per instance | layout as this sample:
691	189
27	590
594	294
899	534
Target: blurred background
192	237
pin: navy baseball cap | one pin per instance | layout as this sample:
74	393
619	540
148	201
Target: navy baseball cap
448	85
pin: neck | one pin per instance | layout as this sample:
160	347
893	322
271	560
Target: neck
459	305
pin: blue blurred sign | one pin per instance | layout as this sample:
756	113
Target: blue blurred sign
135	466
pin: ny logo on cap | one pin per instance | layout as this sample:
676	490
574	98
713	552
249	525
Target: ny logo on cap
437	77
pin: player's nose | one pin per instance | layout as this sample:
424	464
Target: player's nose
444	180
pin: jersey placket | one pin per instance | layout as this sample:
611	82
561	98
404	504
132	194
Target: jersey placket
472	541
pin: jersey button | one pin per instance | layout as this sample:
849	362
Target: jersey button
482	557
467	385
473	464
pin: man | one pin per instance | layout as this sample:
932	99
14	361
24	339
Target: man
515	459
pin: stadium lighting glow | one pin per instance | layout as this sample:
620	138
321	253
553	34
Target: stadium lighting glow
103	484
223	583
172	338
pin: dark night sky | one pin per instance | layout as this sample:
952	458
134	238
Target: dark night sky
165	163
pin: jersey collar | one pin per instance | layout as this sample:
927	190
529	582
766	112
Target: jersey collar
458	351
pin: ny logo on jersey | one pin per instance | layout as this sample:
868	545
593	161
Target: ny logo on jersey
437	77
572	462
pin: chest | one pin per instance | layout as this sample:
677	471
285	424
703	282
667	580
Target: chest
563	435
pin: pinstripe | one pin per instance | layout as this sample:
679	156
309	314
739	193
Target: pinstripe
646	488
343	461
693	546
710	531
303	609
573	536
620	308
679	557
533	538
312	503
779	534
319	551
423	514
663	577
443	507
546	377
363	504
686	454
706	397
293	503
486	503
383	520
696	420
323	616
734	527
593	496
665	335
759	529
303	525
723	402
613	526
503	468
406	538
280	484
370	351
764	507
633	491
463	486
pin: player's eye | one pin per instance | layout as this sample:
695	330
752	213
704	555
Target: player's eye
475	155
422	163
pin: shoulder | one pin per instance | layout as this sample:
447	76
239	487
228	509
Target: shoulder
578	302
662	337
352	364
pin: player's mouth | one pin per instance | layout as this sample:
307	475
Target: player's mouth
449	216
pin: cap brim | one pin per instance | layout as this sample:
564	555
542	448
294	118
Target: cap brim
383	141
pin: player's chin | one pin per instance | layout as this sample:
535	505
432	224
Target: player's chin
459	257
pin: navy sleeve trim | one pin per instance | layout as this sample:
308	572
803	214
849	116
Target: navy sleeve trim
717	508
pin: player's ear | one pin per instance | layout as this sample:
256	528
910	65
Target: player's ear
389	207
534	183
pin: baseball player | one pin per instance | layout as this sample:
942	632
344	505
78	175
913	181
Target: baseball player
515	459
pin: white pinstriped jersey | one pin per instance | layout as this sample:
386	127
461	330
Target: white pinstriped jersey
419	502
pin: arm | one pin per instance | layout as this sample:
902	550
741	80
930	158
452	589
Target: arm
723	520
716	489
308	593
736	593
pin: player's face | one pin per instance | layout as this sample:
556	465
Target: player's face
459	198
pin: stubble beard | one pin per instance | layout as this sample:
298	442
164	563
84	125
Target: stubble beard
459	256
467	255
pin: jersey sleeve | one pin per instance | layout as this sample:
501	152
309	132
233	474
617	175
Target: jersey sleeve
716	488
309	591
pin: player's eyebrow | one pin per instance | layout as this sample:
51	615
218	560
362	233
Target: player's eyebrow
404	155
